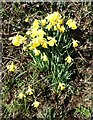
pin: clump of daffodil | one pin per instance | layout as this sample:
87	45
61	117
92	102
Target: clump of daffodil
21	95
36	104
30	91
75	43
44	57
61	86
72	24
68	59
18	40
11	67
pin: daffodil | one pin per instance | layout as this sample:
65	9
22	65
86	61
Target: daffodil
68	59
44	45
75	43
58	26
49	26
18	40
35	24
33	33
61	86
56	15
44	57
11	67
21	95
53	23
62	29
43	42
72	24
37	52
30	90
60	21
36	104
43	22
52	42
53	18
40	33
36	42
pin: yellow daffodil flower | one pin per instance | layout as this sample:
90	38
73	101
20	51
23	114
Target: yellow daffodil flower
53	18
53	23
35	24
43	42
18	40
44	57
21	95
52	42
37	52
26	20
11	67
72	24
49	26
75	43
58	26
44	45
43	22
36	104
62	29
60	21
36	42
56	15
40	33
30	90
68	59
33	33
61	86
